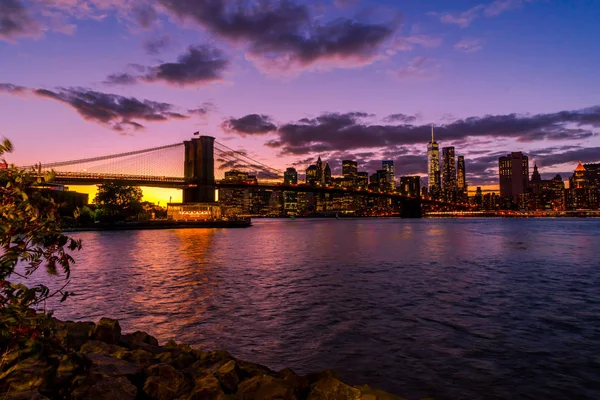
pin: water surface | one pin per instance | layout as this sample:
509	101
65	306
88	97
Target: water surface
451	309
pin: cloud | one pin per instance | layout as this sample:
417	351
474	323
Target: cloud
407	119
252	124
465	18
500	6
16	21
206	108
117	112
348	132
199	65
283	36
419	69
144	15
462	19
407	43
157	45
12	89
121	79
469	45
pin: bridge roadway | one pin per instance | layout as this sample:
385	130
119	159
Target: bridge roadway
168	182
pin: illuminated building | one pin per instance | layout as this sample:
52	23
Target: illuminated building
388	167
349	169
461	181
290	176
193	211
545	194
478	199
449	174
311	175
433	166
362	180
290	199
410	186
320	172
583	192
327	175
514	176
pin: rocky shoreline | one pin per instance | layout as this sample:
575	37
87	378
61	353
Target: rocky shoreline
96	361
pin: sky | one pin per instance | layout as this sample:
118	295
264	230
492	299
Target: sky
287	81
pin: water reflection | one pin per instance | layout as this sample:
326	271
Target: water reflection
444	308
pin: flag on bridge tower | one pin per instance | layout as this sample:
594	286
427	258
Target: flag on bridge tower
196	133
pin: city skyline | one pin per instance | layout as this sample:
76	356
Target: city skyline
113	76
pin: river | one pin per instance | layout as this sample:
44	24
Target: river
442	308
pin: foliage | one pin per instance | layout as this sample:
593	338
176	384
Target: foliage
150	209
118	201
29	234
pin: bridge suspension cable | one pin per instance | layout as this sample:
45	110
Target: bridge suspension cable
237	159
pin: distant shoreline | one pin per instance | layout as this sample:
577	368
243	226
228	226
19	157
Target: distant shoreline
159	224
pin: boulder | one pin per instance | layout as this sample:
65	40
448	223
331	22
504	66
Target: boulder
26	375
300	384
229	376
109	366
28	395
139	357
264	387
330	388
108	331
69	366
165	382
96	346
106	388
74	334
209	360
132	340
206	388
369	393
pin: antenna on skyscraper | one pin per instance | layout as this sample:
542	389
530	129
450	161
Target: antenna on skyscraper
432	133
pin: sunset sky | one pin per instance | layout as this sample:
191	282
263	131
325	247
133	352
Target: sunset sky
287	81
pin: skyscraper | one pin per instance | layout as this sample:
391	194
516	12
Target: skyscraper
461	174
433	166
349	168
320	171
449	173
388	167
514	175
290	176
327	175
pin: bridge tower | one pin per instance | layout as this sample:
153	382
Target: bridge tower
199	170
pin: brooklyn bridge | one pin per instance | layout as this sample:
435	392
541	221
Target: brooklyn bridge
198	167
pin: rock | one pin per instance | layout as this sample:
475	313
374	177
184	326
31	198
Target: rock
26	375
176	358
131	340
69	366
209	360
77	333
165	382
106	388
300	384
171	344
206	388
110	366
229	376
29	395
330	388
108	331
264	387
96	346
369	393
139	357
250	369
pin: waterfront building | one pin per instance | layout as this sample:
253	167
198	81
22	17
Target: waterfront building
449	186
193	211
433	166
478	199
546	194
410	186
514	177
388	167
583	192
